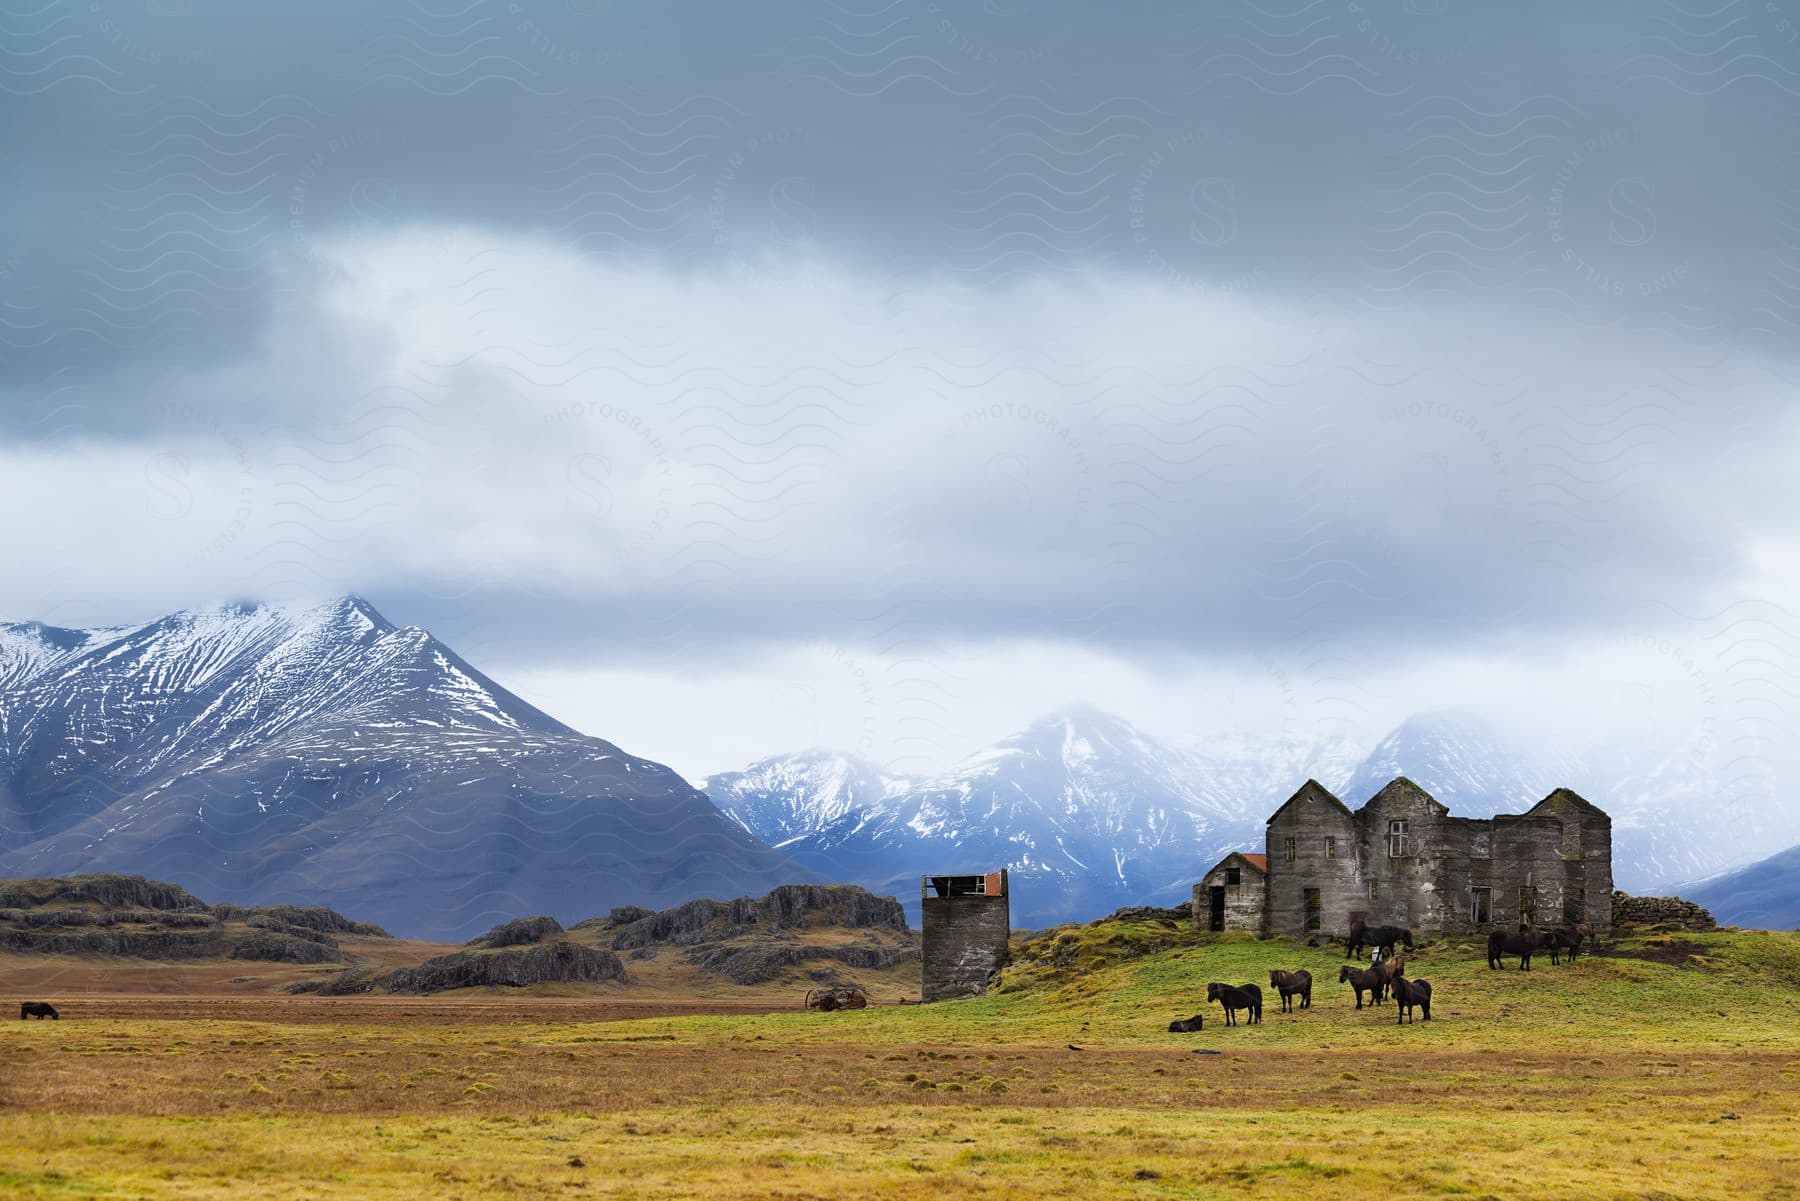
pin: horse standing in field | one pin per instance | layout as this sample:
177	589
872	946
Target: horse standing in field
1558	941
1389	970
1291	985
1232	998
1383	938
1408	993
1501	944
1363	979
39	1010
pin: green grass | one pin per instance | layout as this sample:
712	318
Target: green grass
1618	1078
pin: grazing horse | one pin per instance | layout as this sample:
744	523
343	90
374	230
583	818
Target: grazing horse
1232	998
1501	943
1188	1025
38	1010
1361	979
1558	941
1291	985
1408	993
1383	938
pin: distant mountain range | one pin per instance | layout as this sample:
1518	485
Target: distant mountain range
1089	813
258	754
261	754
1763	896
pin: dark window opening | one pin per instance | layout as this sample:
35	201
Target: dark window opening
1481	905
1234	876
1331	848
1287	849
1218	909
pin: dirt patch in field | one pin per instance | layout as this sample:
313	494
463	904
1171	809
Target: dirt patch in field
1674	951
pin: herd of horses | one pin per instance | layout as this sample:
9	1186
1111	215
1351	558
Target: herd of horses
1383	978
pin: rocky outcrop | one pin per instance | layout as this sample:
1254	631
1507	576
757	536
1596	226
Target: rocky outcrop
301	917
135	918
758	963
1179	913
107	890
787	907
550	962
1660	911
518	932
153	942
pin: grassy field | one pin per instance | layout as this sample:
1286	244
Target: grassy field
1667	1068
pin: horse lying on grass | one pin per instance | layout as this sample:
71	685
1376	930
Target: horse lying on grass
1188	1025
1247	997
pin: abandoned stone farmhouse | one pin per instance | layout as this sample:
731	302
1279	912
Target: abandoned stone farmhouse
1403	860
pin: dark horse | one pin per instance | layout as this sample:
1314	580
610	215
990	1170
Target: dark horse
1567	939
1363	979
1291	985
1383	938
1408	993
39	1010
1188	1025
1501	943
1247	997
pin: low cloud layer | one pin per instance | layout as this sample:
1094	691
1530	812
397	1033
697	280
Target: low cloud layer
885	377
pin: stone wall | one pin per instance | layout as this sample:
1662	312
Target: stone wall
1244	901
964	943
1662	911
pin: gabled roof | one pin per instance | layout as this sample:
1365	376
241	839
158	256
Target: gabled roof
1560	797
1314	790
1399	782
1256	863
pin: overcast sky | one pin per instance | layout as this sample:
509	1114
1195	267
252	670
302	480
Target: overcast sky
733	378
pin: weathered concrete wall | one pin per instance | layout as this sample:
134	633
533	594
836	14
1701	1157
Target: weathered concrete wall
1311	817
1560	853
1244	901
964	944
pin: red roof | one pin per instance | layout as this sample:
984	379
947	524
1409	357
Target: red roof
1260	862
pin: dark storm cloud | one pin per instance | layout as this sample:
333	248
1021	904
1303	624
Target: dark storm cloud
1601	196
173	164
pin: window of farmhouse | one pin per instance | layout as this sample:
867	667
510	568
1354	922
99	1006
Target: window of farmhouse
1399	837
1233	876
1287	849
1331	848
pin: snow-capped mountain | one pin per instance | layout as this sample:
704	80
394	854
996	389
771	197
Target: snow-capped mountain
788	797
1086	811
1461	761
1090	814
262	753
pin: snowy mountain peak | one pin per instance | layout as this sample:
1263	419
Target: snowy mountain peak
250	747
